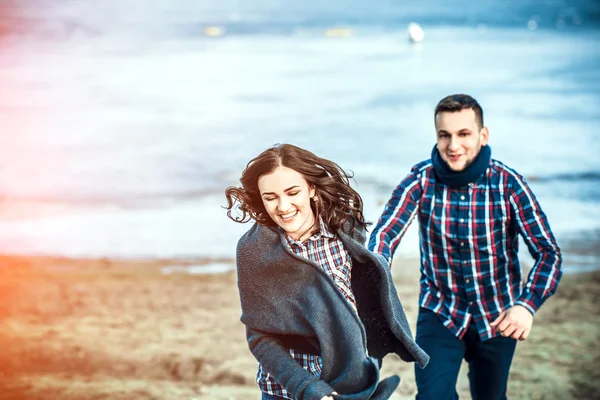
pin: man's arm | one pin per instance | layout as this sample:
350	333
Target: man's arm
278	362
532	224
397	216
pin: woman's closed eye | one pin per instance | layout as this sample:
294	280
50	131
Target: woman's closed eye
288	194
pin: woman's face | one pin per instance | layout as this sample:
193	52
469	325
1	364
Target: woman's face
286	196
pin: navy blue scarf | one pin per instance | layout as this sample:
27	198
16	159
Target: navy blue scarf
470	174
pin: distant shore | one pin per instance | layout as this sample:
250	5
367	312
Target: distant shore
83	329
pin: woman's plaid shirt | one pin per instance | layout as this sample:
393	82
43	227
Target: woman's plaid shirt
469	242
328	251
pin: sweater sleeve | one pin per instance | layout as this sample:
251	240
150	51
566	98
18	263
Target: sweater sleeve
278	362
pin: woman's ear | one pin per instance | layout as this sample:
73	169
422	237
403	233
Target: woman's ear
311	191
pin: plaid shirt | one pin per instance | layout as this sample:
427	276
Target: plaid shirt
328	251
468	242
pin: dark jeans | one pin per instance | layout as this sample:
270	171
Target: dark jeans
489	361
266	396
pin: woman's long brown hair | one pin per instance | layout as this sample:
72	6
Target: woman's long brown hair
337	201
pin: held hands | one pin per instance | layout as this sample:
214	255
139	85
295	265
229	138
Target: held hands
515	322
330	397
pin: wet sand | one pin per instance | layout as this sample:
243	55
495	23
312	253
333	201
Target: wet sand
105	329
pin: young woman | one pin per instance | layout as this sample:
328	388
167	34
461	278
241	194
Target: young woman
320	310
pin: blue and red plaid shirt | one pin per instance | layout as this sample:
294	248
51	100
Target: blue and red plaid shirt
327	250
470	271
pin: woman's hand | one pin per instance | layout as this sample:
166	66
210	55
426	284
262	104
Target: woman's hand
330	396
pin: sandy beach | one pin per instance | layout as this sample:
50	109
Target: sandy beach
102	329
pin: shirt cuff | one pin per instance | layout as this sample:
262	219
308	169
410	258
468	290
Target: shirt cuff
531	301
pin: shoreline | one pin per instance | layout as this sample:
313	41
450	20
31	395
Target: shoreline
40	229
224	265
63	263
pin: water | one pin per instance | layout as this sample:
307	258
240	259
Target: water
124	124
215	268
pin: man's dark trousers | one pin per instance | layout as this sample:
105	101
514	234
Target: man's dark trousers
489	361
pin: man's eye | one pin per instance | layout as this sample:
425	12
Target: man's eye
293	194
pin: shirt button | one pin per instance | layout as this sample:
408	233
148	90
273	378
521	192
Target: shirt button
470	303
462	243
468	280
462	197
462	220
464	261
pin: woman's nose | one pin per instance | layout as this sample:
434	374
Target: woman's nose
284	205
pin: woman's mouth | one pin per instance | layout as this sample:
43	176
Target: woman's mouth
289	216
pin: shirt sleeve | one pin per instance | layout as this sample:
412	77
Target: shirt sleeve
397	216
532	224
278	362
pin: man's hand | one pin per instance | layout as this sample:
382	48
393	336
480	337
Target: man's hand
329	397
515	322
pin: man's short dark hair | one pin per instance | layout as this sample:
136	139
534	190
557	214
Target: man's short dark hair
459	102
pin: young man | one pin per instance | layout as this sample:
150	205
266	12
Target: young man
470	208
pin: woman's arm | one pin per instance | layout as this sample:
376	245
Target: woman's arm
278	362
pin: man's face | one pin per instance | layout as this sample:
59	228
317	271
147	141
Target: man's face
459	138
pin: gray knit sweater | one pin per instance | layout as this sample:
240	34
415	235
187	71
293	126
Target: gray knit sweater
290	302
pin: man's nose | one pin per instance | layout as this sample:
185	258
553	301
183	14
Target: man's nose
454	143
